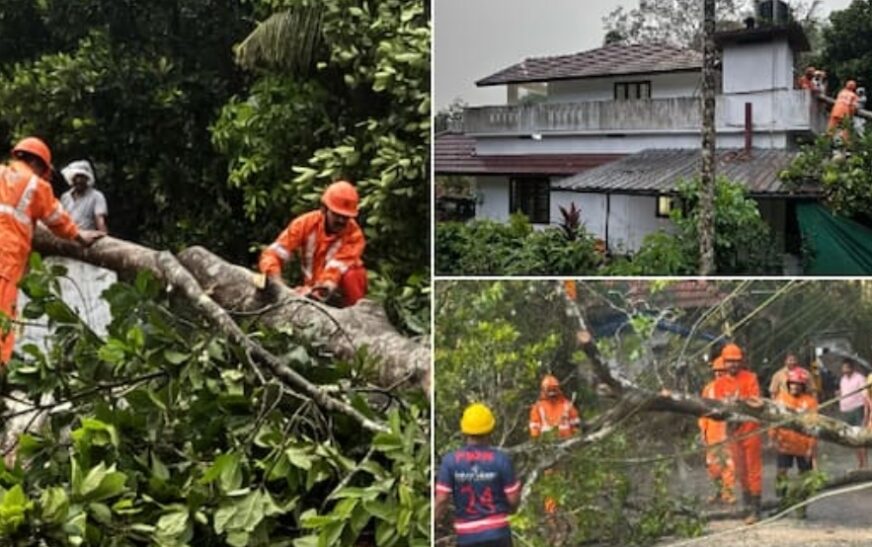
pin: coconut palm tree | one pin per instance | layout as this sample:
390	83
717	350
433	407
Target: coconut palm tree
289	40
707	176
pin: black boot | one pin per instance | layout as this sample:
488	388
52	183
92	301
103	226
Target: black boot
756	509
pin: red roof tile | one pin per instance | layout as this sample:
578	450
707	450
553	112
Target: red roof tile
610	60
455	154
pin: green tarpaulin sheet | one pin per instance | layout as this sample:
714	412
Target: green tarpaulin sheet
839	245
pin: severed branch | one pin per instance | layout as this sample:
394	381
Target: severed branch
120	255
363	326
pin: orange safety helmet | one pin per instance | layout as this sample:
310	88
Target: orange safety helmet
731	352
35	147
851	85
718	364
550	381
797	376
341	198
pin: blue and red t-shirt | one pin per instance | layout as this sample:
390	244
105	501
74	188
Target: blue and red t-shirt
478	478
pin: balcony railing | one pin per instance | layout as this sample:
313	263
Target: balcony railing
786	110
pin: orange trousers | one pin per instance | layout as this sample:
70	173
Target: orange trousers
748	458
8	299
353	285
721	467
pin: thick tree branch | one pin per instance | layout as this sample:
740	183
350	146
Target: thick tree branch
165	266
362	326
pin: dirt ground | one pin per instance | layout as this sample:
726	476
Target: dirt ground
844	520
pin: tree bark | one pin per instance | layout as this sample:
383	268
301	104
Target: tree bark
343	331
707	177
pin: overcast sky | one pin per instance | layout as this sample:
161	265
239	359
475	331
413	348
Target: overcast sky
475	38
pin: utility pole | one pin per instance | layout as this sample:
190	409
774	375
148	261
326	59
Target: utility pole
706	227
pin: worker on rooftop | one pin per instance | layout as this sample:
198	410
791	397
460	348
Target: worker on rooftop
844	109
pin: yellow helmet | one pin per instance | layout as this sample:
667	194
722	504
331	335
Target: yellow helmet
477	420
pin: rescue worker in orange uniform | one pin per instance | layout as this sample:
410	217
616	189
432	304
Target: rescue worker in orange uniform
25	197
718	459
553	413
330	245
746	445
806	81
792	445
845	107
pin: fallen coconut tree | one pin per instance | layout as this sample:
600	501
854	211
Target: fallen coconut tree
342	331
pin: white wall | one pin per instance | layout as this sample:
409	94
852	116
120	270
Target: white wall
493	202
593	209
81	289
630	217
681	84
757	67
629	144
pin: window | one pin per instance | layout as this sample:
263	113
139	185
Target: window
665	205
630	91
531	196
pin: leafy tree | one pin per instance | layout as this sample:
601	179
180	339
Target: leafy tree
844	173
677	22
494	340
133	87
166	433
846	44
360	110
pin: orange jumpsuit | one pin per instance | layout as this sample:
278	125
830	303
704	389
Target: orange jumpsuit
747	450
327	261
24	199
718	459
793	442
846	105
547	415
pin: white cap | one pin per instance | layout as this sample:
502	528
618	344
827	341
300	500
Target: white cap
80	167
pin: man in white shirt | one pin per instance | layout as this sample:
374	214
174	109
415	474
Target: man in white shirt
86	204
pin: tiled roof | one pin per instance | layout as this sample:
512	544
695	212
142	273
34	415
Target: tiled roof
683	294
455	154
610	60
657	171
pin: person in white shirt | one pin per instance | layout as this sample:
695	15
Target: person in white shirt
86	204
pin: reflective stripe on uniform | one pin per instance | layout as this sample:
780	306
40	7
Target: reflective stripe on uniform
513	488
281	250
546	425
481	525
19	212
24	202
55	216
331	262
21	218
338	265
308	256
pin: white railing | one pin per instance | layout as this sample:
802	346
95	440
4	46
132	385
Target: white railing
783	110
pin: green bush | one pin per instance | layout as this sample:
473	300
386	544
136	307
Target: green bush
485	247
743	240
844	172
743	244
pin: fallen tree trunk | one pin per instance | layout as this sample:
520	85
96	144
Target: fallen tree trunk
342	331
851	477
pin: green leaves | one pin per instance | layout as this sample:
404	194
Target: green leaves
240	516
13	507
99	483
